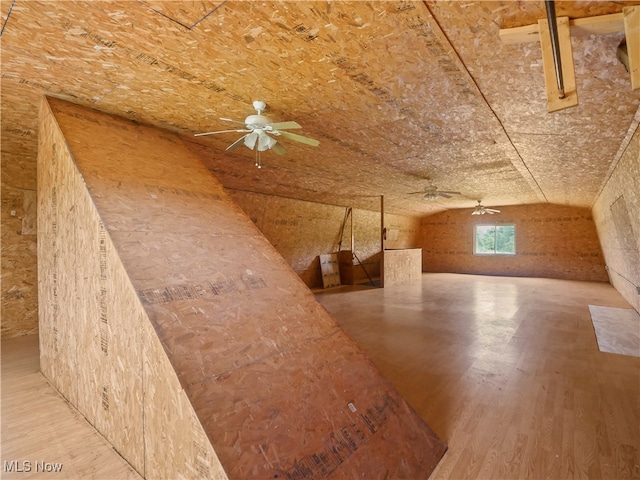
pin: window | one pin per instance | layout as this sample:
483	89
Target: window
494	240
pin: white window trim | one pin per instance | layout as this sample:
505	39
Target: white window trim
515	247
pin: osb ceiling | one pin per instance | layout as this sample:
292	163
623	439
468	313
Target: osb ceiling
400	94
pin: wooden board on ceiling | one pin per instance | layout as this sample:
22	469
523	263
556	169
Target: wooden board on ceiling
600	25
376	62
5	9
632	32
187	14
557	100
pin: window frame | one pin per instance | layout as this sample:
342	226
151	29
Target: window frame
494	253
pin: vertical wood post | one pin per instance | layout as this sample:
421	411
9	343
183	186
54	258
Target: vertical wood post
632	34
353	243
382	235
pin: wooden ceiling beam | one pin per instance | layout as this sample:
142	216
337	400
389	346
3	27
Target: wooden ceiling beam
632	33
602	24
627	21
555	99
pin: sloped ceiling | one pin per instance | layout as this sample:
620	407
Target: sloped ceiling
400	94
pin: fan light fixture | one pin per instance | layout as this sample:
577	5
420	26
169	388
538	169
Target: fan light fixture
481	210
259	130
430	196
431	193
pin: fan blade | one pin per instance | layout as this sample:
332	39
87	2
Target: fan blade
443	194
236	143
413	193
284	125
220	131
299	138
279	149
491	210
250	140
265	142
231	120
450	193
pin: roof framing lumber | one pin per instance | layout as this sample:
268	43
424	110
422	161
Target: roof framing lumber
628	22
632	33
602	24
555	101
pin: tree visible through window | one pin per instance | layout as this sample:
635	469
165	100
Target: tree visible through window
495	240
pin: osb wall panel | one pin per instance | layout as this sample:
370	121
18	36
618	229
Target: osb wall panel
300	231
19	125
349	430
402	267
171	424
617	217
279	388
109	319
93	346
18	266
56	272
552	241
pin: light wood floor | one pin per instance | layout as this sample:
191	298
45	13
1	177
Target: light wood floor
41	428
507	371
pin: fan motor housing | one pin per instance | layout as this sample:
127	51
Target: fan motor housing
256	121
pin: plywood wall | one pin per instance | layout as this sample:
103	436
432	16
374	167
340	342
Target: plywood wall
208	342
402	267
56	269
96	343
617	217
300	231
552	241
18	290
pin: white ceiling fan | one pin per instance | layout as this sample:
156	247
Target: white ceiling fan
259	133
432	193
481	210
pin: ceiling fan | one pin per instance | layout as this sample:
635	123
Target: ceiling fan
481	210
259	133
431	192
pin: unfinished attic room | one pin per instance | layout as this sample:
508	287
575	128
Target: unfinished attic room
320	240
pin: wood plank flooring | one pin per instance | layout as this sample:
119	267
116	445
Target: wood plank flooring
507	371
41	432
